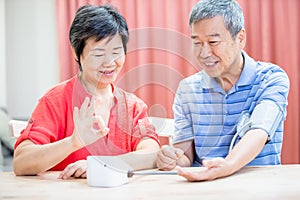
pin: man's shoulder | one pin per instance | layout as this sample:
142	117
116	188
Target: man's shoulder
271	71
267	66
194	78
261	66
194	83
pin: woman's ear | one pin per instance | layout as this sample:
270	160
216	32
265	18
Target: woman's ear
74	54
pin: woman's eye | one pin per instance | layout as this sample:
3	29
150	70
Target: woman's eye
98	55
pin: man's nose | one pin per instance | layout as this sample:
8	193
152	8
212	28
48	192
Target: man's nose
205	51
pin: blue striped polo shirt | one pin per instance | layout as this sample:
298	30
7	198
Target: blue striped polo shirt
205	113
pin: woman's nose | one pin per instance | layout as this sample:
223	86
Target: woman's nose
108	60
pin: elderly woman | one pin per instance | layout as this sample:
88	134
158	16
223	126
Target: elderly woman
88	114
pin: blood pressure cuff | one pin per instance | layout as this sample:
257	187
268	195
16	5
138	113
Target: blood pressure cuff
267	115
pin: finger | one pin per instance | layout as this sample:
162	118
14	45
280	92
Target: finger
79	168
76	120
76	115
79	172
166	167
68	171
102	129
93	108
165	163
179	152
60	175
83	175
100	122
190	176
83	108
167	158
179	170
169	151
64	175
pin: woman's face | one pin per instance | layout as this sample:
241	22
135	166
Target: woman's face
102	61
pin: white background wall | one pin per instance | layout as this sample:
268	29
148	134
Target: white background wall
2	56
29	58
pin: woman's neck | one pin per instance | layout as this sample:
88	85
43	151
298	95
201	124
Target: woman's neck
96	90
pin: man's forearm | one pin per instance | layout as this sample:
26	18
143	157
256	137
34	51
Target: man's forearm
247	149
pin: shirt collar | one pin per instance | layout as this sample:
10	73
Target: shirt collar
79	93
249	71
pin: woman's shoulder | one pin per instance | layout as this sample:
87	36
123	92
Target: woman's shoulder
130	98
60	90
123	93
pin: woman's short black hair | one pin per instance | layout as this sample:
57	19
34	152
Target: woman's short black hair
96	22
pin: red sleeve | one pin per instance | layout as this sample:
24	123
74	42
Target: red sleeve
43	125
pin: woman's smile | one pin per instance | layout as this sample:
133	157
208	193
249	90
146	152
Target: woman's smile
108	72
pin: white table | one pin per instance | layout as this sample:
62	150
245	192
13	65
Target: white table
274	182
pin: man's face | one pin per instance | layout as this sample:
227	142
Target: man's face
214	48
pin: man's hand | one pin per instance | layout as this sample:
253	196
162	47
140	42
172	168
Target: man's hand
167	157
212	169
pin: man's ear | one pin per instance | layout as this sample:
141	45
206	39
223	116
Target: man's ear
242	38
74	54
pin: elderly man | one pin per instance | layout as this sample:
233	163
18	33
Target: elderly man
231	113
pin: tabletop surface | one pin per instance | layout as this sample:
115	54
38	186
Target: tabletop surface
271	182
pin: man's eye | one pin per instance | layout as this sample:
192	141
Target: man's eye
196	43
214	43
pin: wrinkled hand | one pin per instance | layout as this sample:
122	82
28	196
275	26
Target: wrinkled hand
212	169
88	127
76	169
167	157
